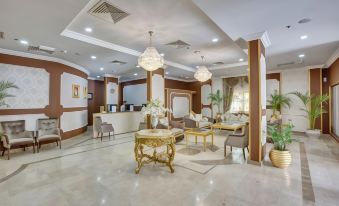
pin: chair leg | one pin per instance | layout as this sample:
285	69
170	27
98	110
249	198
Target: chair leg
231	148
60	144
8	152
33	148
57	142
38	147
225	150
102	135
243	152
109	136
3	152
98	135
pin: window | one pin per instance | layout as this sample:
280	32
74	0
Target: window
240	100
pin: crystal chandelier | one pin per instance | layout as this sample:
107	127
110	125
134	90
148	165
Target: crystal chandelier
202	74
151	60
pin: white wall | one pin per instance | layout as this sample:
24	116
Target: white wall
180	107
295	80
135	94
73	120
67	100
112	91
158	87
33	86
217	84
263	98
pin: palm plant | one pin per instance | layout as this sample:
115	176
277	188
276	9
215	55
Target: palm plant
216	99
278	100
281	137
313	106
5	85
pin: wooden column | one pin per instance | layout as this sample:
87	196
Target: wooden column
257	102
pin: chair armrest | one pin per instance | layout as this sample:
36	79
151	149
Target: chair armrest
189	123
4	139
176	124
237	135
161	126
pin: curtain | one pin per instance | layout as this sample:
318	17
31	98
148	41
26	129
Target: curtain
229	85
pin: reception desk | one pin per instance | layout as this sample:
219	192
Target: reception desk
123	122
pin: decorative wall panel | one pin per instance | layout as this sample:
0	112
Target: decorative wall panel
158	87
30	119
181	106
33	86
73	120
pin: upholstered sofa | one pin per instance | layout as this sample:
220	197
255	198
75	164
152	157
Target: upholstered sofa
232	118
197	121
48	132
15	136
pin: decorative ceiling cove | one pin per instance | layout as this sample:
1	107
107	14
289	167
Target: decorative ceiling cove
33	83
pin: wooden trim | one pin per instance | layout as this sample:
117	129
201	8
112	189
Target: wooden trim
22	111
74	109
276	76
72	133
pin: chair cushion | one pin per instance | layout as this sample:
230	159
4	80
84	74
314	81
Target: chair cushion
198	117
177	131
20	135
204	124
21	141
48	137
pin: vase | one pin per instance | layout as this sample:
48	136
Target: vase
154	122
280	159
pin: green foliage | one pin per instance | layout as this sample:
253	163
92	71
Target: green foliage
312	106
278	100
216	99
4	85
281	137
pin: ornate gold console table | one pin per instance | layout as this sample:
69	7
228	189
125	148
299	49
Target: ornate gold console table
154	138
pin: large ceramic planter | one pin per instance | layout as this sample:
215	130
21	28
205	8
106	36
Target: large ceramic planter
280	159
313	133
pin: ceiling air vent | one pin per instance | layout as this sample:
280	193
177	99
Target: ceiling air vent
2	35
118	62
179	44
285	64
107	12
43	49
218	63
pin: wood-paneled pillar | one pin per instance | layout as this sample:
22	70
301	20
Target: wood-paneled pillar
257	102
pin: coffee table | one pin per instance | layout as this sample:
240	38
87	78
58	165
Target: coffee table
154	138
199	132
227	126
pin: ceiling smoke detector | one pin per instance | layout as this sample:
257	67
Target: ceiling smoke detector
108	12
179	44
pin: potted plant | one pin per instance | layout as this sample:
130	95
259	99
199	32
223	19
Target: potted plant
155	109
277	101
216	99
281	137
4	86
313	108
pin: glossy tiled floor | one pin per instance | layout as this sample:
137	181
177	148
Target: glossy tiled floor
90	172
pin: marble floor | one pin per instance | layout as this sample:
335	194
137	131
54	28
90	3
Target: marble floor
90	172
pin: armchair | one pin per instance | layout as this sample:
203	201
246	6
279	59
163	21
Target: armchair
239	140
197	121
176	127
48	131
15	136
103	127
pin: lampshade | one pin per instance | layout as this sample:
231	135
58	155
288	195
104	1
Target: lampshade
202	74
151	60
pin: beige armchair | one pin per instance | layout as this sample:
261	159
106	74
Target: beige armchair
103	127
176	127
15	136
239	140
48	132
192	122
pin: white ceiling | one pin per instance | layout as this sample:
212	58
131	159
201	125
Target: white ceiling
197	22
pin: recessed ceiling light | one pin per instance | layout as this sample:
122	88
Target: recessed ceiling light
162	54
101	68
197	67
98	76
166	72
241	60
88	29
301	55
215	40
186	77
135	74
303	37
93	57
24	42
137	66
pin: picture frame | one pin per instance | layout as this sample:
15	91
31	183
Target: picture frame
75	91
90	96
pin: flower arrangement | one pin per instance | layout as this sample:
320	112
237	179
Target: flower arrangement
155	109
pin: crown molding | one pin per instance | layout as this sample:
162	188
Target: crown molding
178	79
238	64
332	58
41	57
263	36
111	75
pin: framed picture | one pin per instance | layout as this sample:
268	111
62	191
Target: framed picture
85	93
90	96
76	91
